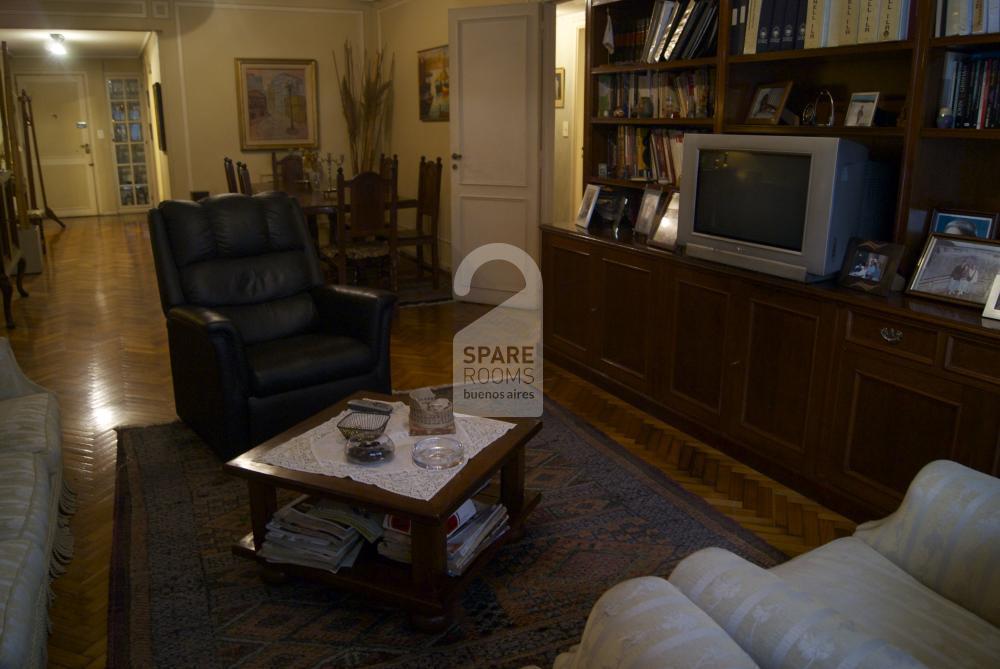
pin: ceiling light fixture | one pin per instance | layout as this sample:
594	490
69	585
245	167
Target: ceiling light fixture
56	46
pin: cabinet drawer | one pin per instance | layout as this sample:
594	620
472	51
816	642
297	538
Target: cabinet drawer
886	334
972	358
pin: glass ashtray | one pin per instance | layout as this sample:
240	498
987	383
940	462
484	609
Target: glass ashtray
365	448
438	453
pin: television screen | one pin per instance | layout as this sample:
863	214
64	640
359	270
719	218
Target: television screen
752	196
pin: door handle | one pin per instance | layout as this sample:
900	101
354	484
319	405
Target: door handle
86	148
456	156
892	335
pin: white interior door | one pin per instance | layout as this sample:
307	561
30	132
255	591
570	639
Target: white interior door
62	125
495	95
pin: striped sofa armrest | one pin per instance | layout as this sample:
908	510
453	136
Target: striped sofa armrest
776	624
946	534
646	622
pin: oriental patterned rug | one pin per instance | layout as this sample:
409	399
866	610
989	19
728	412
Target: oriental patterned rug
179	598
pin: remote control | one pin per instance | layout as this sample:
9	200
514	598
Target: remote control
370	406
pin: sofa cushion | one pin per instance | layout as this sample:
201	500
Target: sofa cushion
853	578
30	424
304	360
25	498
946	534
778	625
23	598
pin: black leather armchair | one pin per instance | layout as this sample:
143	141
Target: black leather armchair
257	343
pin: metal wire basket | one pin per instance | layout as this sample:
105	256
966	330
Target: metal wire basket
357	422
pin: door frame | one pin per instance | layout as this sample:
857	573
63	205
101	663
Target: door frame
85	103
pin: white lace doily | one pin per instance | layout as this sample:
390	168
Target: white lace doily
321	451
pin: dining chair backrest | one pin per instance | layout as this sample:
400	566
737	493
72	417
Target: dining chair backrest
429	189
243	175
287	171
366	206
231	184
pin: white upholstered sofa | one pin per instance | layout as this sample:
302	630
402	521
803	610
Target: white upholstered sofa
35	542
920	588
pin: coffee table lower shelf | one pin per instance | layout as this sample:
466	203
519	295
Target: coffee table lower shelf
429	603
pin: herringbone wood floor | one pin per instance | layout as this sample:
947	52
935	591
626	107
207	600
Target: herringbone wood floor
92	331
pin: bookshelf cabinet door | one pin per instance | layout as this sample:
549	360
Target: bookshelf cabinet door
626	293
698	332
568	270
784	343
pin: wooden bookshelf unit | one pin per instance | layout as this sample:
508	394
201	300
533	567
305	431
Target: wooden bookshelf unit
840	394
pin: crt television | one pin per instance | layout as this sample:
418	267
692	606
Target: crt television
786	206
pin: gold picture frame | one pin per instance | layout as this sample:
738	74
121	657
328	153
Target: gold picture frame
433	84
768	102
277	103
560	87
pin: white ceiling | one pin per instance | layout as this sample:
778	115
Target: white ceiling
79	43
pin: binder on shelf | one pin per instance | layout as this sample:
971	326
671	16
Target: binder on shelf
844	23
752	27
777	25
817	23
800	29
790	25
764	25
870	27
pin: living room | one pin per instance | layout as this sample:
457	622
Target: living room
722	416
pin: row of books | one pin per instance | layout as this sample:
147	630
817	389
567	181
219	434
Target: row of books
967	17
656	94
319	533
758	26
974	90
471	529
676	30
644	154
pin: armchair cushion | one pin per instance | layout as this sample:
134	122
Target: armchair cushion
25	498
24	592
850	576
361	313
946	534
30	424
281	365
776	624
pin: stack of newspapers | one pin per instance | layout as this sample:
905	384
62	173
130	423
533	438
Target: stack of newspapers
319	533
473	527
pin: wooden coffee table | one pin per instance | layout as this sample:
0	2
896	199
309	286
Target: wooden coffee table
424	588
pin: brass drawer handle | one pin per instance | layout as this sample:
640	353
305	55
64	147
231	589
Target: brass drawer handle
892	335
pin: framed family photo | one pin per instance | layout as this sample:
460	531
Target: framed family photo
982	225
277	103
768	102
861	110
664	235
870	266
956	269
651	207
432	80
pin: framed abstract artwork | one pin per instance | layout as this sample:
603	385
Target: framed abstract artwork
277	103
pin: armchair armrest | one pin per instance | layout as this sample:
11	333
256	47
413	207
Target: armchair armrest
946	535
13	382
647	622
361	313
779	626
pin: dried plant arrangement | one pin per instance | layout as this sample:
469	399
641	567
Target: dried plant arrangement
366	97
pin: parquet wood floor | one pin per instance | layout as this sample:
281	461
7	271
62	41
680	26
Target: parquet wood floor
92	331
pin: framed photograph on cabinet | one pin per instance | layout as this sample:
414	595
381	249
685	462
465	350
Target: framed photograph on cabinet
992	308
432	83
956	269
982	225
277	103
649	209
768	102
587	204
870	266
664	235
861	110
560	87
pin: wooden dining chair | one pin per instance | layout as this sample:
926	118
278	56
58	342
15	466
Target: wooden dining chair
366	226
287	171
428	212
231	184
243	175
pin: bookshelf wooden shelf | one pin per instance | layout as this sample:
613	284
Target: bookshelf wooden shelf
622	183
857	51
961	133
690	64
812	131
675	122
959	42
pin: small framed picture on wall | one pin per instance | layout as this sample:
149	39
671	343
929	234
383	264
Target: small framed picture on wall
560	87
